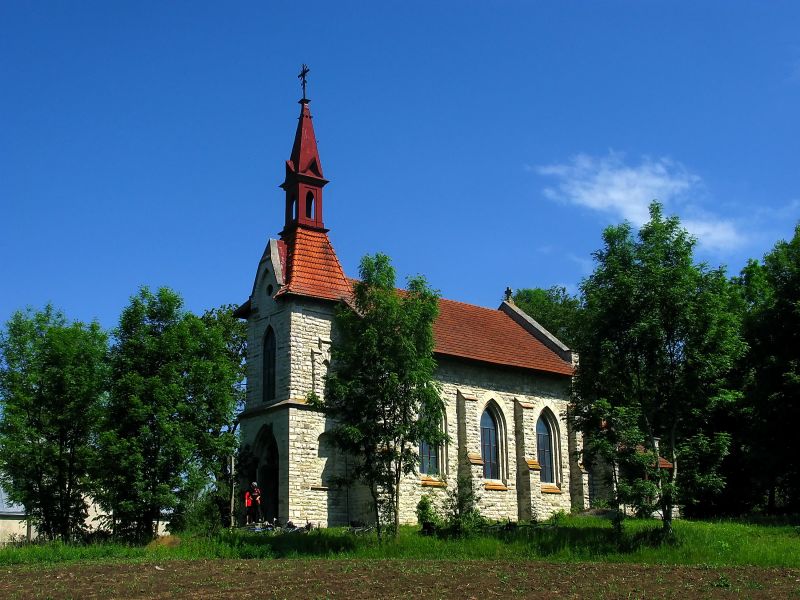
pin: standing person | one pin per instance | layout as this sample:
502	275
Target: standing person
248	506
255	494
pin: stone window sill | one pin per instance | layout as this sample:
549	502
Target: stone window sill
428	481
495	486
475	458
549	488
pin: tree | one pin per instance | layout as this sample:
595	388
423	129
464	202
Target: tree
554	308
659	336
52	376
771	290
380	391
210	503
172	393
748	461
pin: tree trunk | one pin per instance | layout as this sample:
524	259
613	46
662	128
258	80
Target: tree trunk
233	492
397	503
69	526
620	515
374	492
667	496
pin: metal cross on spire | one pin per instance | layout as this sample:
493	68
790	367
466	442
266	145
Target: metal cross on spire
302	77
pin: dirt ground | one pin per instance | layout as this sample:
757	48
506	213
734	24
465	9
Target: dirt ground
391	579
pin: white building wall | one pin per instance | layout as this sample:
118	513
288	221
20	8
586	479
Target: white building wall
12	528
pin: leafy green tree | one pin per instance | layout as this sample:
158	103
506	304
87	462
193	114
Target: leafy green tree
206	499
380	391
52	376
172	394
742	468
659	336
554	308
771	290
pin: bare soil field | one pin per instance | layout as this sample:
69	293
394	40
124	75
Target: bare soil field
392	579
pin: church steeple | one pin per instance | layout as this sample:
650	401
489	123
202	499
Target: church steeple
304	181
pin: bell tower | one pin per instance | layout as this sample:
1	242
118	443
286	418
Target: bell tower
304	181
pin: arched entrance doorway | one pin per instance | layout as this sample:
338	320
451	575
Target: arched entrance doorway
266	451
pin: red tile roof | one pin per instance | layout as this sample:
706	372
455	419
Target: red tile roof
477	333
311	268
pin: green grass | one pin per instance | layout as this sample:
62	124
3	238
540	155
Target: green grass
570	539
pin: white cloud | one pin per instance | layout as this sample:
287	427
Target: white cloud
715	234
610	185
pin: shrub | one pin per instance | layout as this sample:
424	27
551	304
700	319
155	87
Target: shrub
461	515
427	515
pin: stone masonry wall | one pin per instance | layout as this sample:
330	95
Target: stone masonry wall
262	420
517	495
303	329
517	399
266	312
315	494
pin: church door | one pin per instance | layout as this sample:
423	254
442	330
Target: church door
268	476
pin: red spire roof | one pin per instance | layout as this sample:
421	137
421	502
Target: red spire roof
304	182
305	156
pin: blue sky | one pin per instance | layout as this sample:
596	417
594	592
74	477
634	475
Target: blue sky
483	144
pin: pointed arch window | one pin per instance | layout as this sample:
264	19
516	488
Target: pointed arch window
546	449
309	205
269	365
490	448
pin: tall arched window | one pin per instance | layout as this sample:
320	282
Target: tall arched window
309	205
545	449
490	451
428	458
269	365
294	208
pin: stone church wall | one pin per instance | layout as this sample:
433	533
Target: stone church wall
309	468
266	312
316	493
517	399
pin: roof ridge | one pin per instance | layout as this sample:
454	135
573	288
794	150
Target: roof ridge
441	298
497	310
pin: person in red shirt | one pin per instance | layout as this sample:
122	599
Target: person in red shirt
248	507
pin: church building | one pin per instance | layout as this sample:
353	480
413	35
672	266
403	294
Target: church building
504	379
